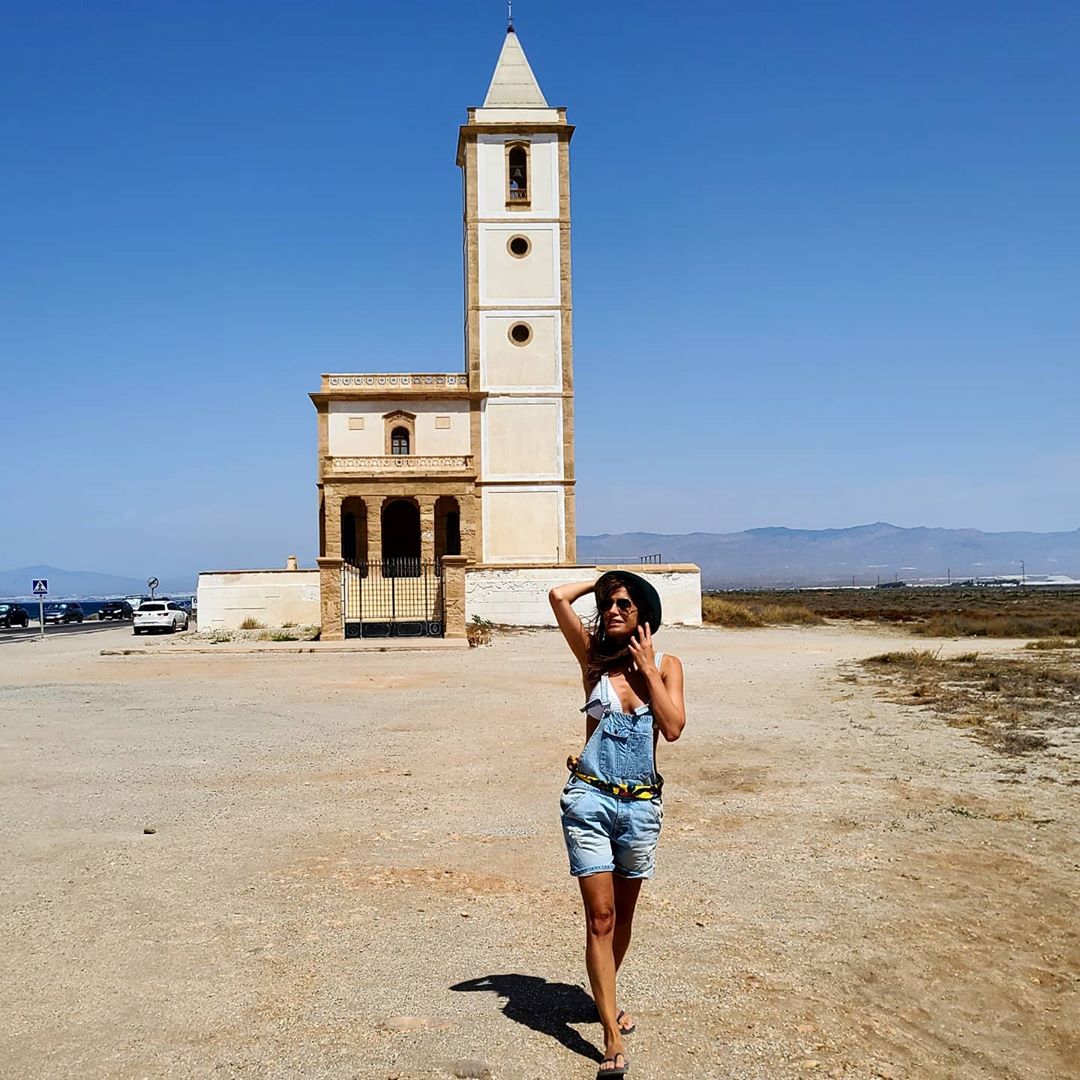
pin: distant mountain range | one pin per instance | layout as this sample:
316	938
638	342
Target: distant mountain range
777	557
772	557
76	583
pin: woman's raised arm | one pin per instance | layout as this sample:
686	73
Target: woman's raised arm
562	598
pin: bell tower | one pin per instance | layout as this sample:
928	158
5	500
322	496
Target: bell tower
514	153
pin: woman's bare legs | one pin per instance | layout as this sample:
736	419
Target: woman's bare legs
627	891
609	913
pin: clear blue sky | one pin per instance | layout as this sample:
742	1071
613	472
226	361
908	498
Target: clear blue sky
825	259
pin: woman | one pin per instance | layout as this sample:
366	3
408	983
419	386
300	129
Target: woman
611	806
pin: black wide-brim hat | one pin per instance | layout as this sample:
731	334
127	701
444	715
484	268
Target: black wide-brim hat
650	609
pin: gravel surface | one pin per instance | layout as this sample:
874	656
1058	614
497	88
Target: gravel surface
355	870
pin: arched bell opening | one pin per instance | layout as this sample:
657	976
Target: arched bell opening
517	174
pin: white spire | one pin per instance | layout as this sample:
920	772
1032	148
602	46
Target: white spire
514	86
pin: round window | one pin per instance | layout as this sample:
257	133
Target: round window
519	246
521	333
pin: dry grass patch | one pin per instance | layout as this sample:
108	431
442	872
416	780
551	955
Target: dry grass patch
1008	703
938	612
909	659
725	613
719	611
996	625
788	614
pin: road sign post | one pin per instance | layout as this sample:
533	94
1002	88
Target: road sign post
41	589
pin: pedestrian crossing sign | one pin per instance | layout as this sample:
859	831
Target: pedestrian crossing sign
41	586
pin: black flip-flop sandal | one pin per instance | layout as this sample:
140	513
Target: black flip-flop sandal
615	1073
626	1031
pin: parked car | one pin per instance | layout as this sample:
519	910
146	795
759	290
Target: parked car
115	609
66	611
160	615
13	615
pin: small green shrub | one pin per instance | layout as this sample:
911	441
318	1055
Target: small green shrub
282	635
478	632
219	637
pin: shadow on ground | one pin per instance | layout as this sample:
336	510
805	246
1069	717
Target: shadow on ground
546	1007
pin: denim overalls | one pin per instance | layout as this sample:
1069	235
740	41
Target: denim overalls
604	831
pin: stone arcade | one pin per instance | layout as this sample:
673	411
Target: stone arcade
453	492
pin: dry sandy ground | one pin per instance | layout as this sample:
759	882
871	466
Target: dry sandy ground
846	887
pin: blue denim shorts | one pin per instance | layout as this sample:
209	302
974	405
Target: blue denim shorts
605	834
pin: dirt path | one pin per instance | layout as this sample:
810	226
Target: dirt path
846	887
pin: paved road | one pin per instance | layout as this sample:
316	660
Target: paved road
11	637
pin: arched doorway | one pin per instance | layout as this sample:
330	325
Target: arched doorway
396	595
447	528
354	540
401	538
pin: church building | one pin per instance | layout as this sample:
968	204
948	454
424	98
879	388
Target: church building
446	496
477	463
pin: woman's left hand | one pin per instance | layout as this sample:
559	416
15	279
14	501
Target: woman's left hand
641	649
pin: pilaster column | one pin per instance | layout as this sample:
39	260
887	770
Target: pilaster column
427	527
469	508
453	578
333	628
440	534
332	517
374	527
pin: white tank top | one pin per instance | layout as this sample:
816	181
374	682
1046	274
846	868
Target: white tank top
604	694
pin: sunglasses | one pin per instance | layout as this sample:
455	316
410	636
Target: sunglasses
624	604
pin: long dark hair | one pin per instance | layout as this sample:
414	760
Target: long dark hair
604	654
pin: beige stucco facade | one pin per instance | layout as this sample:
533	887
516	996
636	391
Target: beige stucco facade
358	428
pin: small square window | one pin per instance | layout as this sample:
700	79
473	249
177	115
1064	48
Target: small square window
442	421
356	423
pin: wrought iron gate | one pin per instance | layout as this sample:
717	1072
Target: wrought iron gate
392	598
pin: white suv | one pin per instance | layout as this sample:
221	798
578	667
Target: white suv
160	615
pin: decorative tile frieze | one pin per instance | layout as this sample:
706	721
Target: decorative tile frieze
409	382
395	465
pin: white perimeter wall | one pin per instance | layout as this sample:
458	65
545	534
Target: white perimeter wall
227	597
518	596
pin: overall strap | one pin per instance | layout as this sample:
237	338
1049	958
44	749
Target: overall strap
606	693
